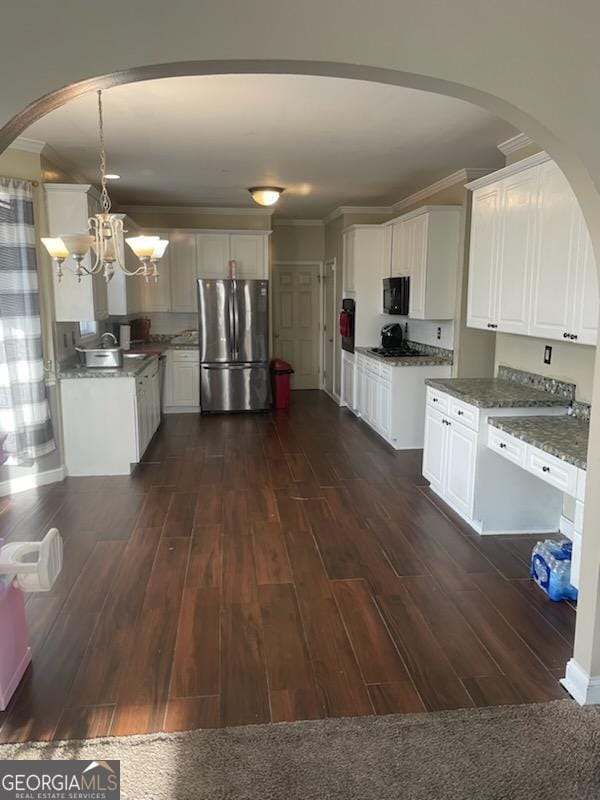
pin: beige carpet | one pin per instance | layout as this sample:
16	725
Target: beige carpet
533	752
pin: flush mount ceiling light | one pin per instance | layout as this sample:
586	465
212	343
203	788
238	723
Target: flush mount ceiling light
112	176
106	230
266	195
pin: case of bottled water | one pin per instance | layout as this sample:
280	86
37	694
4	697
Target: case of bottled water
551	569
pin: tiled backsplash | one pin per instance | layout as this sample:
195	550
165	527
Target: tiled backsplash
424	331
542	382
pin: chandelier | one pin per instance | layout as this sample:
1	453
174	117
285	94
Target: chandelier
106	231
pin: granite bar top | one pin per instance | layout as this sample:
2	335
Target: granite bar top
424	360
162	344
496	393
131	369
565	437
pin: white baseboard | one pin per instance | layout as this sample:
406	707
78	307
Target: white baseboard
581	686
566	527
22	484
335	397
181	410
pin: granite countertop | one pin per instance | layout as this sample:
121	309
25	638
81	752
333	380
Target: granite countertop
131	369
565	437
496	393
425	360
162	344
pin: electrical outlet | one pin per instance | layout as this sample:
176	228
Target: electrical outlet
547	354
439	334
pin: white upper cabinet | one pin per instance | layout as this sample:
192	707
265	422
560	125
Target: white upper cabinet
69	208
250	251
213	255
485	224
182	253
531	266
387	251
517	242
401	248
349	267
555	265
425	247
150	295
122	291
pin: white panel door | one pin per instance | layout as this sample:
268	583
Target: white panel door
330	327
213	254
483	255
248	251
434	447
296	321
555	256
460	467
585	306
418	265
401	248
182	251
516	250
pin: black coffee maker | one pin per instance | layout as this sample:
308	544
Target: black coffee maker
391	336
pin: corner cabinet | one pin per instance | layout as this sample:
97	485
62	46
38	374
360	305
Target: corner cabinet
531	265
69	207
424	246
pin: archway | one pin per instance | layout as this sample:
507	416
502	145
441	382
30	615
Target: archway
586	662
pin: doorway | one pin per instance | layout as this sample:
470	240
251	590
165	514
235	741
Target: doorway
329	327
297	323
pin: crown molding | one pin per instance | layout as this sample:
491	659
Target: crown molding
511	169
297	223
28	145
515	143
66	166
340	210
213	210
460	176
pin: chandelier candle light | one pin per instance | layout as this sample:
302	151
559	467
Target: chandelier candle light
106	230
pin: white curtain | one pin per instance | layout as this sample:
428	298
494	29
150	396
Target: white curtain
25	422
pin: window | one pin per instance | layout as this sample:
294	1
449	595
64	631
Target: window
88	329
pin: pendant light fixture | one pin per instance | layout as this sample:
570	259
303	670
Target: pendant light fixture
106	231
266	195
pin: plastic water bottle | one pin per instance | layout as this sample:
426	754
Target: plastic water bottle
551	569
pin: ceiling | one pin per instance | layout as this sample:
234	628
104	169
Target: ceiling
200	141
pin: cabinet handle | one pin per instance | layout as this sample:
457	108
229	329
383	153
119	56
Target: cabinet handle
501	445
573	336
460	413
565	335
545	469
435	399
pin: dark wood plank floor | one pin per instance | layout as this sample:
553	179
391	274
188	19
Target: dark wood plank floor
278	567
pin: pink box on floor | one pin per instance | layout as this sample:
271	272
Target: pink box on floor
15	653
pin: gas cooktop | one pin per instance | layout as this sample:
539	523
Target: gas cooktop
395	352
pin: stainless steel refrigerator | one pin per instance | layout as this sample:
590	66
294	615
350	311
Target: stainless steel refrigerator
233	336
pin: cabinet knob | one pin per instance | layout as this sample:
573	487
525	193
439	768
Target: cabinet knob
545	469
435	399
565	335
460	413
573	336
502	445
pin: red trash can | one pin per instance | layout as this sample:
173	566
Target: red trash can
280	381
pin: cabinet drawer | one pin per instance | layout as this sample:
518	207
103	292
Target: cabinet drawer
508	446
438	400
186	356
552	470
578	521
464	413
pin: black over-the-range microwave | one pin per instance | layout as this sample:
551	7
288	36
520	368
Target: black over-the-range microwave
396	295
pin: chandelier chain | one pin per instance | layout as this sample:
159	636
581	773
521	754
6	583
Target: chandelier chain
104	198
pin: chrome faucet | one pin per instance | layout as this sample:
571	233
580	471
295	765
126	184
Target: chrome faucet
112	336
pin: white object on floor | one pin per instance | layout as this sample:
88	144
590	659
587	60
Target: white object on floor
34	576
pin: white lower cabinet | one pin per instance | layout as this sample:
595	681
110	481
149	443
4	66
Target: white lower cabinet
468	474
182	376
101	443
348	380
391	399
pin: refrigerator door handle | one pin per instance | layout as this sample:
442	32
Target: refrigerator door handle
236	321
232	329
228	366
